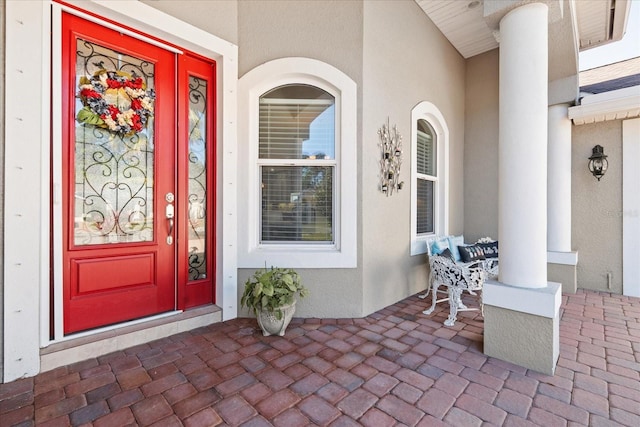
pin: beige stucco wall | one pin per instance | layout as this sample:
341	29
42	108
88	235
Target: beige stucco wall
597	207
397	58
329	31
522	338
565	275
218	17
481	147
406	60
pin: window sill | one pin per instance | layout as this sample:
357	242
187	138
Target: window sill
296	256
419	245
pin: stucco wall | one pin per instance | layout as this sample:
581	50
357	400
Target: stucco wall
406	60
537	349
398	58
481	147
218	17
329	31
597	207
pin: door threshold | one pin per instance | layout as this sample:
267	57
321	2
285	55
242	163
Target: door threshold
88	346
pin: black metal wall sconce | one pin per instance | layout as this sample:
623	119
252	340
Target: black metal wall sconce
598	163
391	159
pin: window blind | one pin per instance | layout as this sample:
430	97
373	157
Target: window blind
297	203
426	154
296	128
425	206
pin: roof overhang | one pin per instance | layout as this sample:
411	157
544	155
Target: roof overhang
472	27
614	105
470	24
601	22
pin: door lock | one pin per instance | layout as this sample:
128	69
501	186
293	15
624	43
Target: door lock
169	214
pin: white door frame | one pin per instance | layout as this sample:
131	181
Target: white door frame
28	154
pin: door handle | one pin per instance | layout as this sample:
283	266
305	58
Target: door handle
169	213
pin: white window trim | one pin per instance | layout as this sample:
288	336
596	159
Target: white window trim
429	112
279	72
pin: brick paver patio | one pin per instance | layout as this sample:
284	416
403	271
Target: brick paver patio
395	367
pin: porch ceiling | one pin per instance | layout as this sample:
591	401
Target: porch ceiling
463	23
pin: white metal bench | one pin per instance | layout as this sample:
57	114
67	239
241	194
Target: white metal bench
457	277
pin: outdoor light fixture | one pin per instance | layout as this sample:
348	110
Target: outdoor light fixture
598	162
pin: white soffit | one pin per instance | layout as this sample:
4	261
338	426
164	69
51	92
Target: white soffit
463	23
601	22
463	26
593	21
615	105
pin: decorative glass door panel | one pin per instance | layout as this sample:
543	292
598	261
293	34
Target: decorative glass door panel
114	148
118	165
197	198
196	180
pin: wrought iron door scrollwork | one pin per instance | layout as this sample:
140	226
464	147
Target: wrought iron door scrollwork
113	173
197	197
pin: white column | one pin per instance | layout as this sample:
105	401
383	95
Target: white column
559	184
631	208
523	146
25	233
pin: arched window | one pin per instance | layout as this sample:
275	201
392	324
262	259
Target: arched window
299	144
429	165
297	161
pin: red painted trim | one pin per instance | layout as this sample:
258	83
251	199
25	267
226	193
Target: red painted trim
111	21
134	30
189	294
85	311
199	292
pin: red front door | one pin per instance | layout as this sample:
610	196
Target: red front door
127	179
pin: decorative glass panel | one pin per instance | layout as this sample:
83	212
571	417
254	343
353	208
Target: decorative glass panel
297	122
426	149
113	195
297	203
424	206
197	178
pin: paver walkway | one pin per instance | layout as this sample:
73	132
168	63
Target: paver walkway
395	367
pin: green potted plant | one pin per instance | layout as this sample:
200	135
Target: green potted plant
270	294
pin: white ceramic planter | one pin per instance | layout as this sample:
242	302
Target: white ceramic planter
271	325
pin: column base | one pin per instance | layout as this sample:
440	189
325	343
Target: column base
522	325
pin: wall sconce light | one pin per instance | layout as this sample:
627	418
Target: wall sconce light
391	159
598	162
